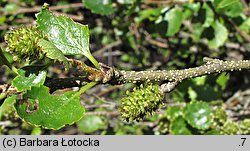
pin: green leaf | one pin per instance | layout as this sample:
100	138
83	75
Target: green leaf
53	52
225	3
197	32
126	1
103	7
36	131
209	16
3	59
192	94
151	14
198	115
179	127
90	124
195	7
11	8
23	83
2	19
206	92
221	35
245	26
69	37
7	106
173	112
174	18
222	80
199	80
52	111
231	8
234	10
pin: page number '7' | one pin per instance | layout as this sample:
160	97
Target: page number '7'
243	141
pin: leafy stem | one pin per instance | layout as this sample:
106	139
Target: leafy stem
94	61
86	87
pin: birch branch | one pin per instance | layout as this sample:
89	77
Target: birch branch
111	75
211	66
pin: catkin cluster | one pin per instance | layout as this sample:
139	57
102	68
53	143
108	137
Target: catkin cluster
143	101
22	43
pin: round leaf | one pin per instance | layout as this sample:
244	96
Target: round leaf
173	112
222	80
90	124
179	127
209	15
99	6
52	111
224	3
198	115
234	10
52	52
174	18
221	35
69	37
7	106
36	131
23	83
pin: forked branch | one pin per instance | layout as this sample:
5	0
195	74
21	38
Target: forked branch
170	78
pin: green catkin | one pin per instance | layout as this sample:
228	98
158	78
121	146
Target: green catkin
231	128
143	101
245	126
219	117
22	43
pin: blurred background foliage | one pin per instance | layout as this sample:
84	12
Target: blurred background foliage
150	35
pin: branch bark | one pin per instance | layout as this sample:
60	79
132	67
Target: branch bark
211	66
111	75
61	83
